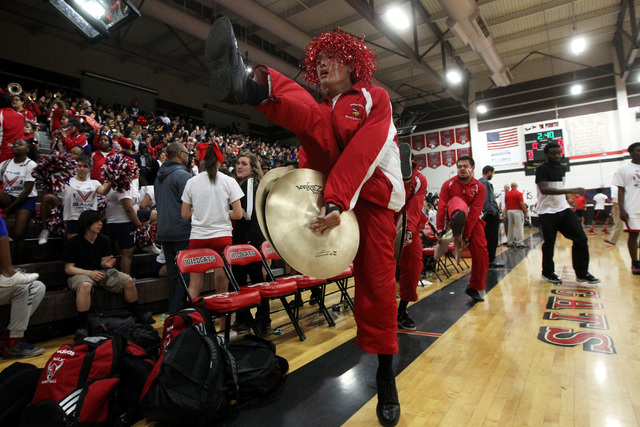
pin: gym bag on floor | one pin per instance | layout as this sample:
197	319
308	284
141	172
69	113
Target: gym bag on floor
17	384
194	380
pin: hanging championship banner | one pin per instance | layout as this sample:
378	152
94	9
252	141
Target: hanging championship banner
462	135
449	157
433	140
447	137
466	151
434	160
417	142
421	160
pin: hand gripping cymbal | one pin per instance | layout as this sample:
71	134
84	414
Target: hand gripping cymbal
292	205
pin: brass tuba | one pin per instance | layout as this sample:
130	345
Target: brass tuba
15	88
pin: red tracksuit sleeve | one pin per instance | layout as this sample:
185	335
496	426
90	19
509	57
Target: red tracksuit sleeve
415	204
474	211
363	152
443	201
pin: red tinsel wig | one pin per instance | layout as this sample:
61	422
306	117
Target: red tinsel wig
346	48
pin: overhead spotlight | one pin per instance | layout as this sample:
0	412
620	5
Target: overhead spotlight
454	76
94	8
97	18
576	89
578	45
482	108
397	18
638	77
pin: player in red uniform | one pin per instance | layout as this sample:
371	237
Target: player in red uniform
351	139
461	201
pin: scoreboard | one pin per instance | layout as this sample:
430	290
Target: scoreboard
535	143
534	146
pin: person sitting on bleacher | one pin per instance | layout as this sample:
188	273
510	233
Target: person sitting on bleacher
99	157
79	195
19	194
90	262
75	137
8	275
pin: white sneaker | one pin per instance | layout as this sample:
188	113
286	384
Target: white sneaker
232	335
19	278
152	249
43	237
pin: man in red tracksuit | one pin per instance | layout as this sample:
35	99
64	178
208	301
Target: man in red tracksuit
463	194
351	139
411	259
11	126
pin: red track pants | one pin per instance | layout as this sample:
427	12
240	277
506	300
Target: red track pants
411	268
477	246
293	108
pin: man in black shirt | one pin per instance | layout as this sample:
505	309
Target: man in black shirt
555	214
89	261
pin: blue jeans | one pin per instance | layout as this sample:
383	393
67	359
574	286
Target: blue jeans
177	291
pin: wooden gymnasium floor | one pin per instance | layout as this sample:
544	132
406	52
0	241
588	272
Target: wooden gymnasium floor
531	354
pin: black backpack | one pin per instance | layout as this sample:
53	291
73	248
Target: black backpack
194	380
18	382
112	320
260	370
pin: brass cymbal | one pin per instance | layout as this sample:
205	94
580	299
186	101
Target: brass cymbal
292	205
266	183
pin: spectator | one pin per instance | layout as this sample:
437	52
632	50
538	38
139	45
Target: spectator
490	216
614	235
18	107
205	201
173	231
516	212
460	206
24	300
8	275
99	157
79	195
19	193
11	126
89	261
122	221
144	160
75	138
555	215
600	215
626	179
157	164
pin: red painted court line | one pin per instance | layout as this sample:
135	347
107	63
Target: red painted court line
426	334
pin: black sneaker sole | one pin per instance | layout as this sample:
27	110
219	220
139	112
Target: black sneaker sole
406	328
457	223
551	280
221	41
405	161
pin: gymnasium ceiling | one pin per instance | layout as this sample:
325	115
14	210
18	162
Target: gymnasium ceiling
169	37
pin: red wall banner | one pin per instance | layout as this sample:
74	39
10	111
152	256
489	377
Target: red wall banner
434	160
466	151
417	142
462	135
421	160
447	137
433	139
449	157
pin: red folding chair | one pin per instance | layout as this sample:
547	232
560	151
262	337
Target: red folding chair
220	305
304	283
247	254
342	281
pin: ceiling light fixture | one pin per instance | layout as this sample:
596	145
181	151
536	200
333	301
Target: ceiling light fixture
578	45
97	18
397	18
454	76
482	108
576	89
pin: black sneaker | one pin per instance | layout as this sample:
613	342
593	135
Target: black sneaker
635	267
146	319
227	72
551	278
588	278
474	294
457	222
81	333
405	161
405	322
388	408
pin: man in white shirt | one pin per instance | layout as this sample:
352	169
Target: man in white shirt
600	214
627	179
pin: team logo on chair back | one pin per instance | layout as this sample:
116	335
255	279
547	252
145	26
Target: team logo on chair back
200	260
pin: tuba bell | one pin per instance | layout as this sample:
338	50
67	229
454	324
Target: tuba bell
15	88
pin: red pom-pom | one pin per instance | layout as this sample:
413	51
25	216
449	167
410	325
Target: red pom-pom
145	234
55	223
345	48
120	170
54	172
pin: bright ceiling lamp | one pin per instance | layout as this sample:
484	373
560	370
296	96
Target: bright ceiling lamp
97	18
576	89
578	45
454	76
397	18
482	108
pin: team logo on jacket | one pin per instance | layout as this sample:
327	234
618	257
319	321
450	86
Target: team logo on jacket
357	112
474	190
53	366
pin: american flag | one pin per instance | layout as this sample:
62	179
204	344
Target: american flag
507	138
